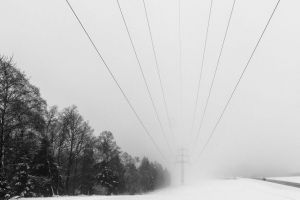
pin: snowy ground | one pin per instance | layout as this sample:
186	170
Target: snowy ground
294	179
233	189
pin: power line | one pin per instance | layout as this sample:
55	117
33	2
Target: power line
203	115
143	76
238	81
158	71
115	80
203	56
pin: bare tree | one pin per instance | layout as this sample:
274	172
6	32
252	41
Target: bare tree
77	133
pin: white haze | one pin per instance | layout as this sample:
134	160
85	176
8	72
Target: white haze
259	132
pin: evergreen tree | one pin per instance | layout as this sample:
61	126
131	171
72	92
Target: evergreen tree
44	169
167	178
110	163
160	179
153	178
108	179
26	147
131	175
132	179
145	175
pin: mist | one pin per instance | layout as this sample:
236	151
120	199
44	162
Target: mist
258	136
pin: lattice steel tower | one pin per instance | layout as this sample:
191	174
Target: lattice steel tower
184	158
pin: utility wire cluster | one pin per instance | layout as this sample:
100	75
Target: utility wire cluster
161	85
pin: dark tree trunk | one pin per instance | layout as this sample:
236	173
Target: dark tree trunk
2	139
69	172
75	176
83	176
57	187
49	167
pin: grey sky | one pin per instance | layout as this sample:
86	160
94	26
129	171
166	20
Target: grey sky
260	129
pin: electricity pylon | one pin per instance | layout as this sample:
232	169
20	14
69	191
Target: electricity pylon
182	161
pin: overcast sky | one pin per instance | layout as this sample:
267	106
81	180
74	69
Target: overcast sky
259	131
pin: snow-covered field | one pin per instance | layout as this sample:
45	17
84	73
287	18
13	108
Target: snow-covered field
294	179
233	189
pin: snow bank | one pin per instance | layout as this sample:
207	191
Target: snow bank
233	189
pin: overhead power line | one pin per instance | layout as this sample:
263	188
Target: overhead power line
158	72
203	56
238	82
115	80
144	76
203	115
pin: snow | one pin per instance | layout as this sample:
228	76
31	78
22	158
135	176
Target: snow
294	179
231	189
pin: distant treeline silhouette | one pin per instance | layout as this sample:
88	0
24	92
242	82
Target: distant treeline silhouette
47	152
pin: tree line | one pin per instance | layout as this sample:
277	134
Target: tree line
47	152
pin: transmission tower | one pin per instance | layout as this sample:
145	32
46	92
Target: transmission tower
184	158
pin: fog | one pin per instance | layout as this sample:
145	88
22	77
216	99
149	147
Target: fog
259	132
